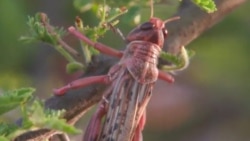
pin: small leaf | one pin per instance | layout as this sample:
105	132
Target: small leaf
2	138
61	125
73	67
170	58
6	129
50	119
12	99
36	113
177	62
82	5
207	5
38	31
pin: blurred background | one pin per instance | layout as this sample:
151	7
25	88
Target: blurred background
210	100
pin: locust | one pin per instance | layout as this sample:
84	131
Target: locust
121	114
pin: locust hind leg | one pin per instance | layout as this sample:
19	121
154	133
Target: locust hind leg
83	82
139	128
94	127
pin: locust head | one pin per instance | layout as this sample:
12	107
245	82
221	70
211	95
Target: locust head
152	31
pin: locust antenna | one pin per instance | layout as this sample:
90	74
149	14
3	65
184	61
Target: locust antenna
172	19
151	8
117	31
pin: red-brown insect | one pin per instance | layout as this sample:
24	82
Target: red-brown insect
131	82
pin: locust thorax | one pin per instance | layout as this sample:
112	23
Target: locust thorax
152	31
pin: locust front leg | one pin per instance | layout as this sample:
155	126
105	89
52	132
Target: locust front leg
83	82
99	46
89	80
165	76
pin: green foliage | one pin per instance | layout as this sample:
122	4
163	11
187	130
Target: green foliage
108	20
12	99
38	31
41	30
2	138
37	117
178	62
85	5
33	115
73	67
171	58
134	6
207	5
7	129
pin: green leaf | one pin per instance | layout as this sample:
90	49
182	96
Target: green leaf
82	5
12	99
6	129
60	125
73	67
41	30
107	16
2	138
207	5
50	119
173	59
35	117
38	32
177	62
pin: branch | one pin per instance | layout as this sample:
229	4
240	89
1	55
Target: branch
181	32
194	22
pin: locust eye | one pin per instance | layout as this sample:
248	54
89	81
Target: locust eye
146	26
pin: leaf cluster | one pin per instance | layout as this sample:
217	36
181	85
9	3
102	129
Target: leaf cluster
34	116
38	31
42	30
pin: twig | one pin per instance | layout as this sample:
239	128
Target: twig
51	30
